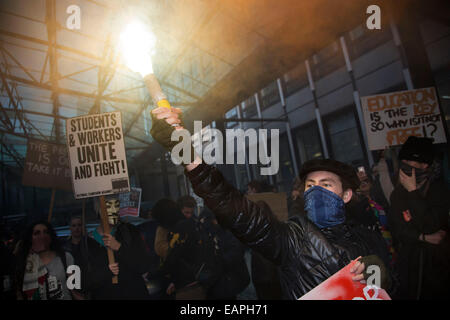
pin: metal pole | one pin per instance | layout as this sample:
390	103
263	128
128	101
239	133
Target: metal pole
241	126
288	127
235	168
403	59
357	100
258	109
312	87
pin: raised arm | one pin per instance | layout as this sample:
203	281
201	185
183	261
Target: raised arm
253	225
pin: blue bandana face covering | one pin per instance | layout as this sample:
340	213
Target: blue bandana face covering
323	207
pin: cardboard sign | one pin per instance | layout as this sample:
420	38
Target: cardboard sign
46	166
276	201
97	155
391	118
130	202
340	286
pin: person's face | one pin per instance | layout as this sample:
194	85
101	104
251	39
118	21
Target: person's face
76	228
40	239
416	164
112	208
365	184
188	212
330	181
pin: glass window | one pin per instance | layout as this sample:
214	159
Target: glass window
327	60
363	40
345	141
296	79
249	107
232	113
286	175
308	141
270	95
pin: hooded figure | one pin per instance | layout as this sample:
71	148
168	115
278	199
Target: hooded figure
131	259
419	223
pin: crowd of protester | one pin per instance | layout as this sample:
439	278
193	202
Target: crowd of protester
395	215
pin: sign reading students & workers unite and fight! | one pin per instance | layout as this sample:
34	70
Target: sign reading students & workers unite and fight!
340	286
392	117
97	155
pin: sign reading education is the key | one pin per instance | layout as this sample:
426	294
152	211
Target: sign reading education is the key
97	155
392	117
46	166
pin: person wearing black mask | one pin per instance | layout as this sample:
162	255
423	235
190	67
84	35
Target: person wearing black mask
418	218
307	249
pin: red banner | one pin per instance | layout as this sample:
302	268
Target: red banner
340	286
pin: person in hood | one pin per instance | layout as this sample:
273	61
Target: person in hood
307	249
420	204
131	259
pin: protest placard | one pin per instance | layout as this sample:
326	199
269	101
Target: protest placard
392	117
97	155
46	166
275	200
130	202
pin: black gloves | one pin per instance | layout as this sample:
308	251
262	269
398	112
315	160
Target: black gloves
385	280
161	131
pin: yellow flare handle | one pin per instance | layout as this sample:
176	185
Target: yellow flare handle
158	96
163	103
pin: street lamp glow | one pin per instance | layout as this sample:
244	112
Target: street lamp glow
137	44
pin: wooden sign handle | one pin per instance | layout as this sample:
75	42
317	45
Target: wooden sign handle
106	230
83	217
52	201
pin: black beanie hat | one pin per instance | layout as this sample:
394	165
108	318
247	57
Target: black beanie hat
344	171
417	149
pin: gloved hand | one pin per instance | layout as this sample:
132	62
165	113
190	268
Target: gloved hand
162	120
385	278
163	125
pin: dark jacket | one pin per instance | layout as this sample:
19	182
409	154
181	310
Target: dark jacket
424	268
133	262
306	256
235	276
193	255
80	254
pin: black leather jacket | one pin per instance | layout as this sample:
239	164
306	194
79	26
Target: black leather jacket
305	255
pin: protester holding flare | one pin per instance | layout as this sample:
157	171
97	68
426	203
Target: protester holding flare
306	256
308	250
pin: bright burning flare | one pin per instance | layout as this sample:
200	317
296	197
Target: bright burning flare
137	45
